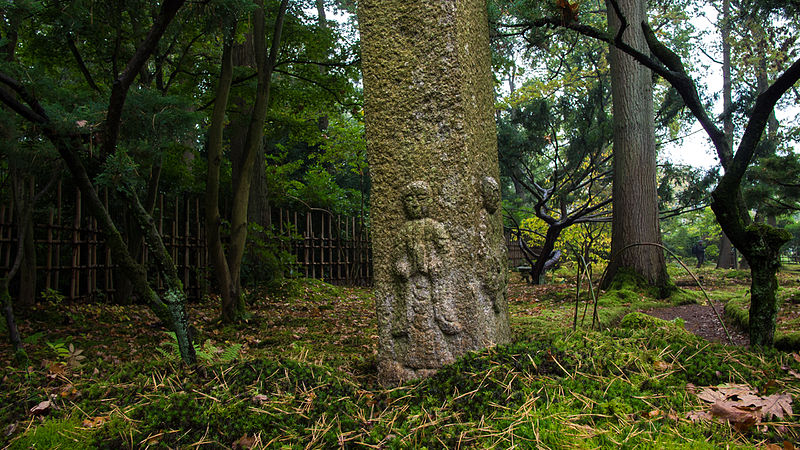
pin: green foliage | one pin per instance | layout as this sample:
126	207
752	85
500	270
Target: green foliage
681	232
52	296
208	352
120	172
792	248
266	257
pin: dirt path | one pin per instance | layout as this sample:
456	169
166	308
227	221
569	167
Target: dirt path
701	320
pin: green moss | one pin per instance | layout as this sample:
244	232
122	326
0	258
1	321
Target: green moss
737	309
767	235
637	320
737	274
686	297
54	433
789	342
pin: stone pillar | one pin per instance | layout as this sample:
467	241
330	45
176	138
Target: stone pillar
439	253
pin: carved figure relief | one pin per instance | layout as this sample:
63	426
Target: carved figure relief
423	315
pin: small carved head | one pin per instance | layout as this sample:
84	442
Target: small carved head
416	199
490	191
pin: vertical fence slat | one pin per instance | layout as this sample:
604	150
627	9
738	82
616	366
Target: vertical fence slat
76	250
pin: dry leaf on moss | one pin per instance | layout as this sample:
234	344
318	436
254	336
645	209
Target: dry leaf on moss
741	406
777	405
42	408
741	418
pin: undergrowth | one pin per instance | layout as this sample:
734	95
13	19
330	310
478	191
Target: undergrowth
629	386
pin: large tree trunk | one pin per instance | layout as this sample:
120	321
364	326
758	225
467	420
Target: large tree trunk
635	197
727	254
440	268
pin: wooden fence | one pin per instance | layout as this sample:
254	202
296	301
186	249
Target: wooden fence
73	260
71	255
330	247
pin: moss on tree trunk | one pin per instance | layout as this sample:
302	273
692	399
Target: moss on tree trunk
439	254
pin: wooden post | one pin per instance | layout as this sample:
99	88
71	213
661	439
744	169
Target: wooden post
5	245
76	250
186	244
59	265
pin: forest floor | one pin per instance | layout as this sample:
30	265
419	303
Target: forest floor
300	373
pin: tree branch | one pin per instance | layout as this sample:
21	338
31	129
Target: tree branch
759	117
119	91
81	64
9	100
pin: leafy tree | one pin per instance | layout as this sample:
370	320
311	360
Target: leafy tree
286	117
567	185
759	243
61	118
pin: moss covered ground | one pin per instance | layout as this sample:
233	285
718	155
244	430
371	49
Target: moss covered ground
301	374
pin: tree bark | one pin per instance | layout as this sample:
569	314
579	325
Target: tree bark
439	252
635	196
235	309
213	218
727	254
24	186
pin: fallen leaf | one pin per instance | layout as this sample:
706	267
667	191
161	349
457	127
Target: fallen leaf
740	418
94	422
42	408
710	395
244	442
777	405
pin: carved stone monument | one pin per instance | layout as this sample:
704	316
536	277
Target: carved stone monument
439	252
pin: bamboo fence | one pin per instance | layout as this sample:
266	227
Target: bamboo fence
73	260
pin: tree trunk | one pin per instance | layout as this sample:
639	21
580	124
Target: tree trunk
764	302
24	187
235	309
8	312
635	196
213	218
439	252
549	244
123	295
727	254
